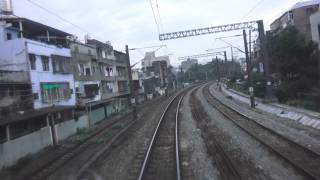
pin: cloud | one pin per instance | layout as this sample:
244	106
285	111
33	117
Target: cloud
131	21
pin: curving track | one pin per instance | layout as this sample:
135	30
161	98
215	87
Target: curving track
162	158
304	160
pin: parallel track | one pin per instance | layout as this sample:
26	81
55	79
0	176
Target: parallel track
301	158
162	157
228	170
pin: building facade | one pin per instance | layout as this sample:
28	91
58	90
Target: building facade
150	57
186	65
298	16
37	88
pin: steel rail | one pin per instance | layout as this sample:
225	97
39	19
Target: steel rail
313	174
227	168
152	142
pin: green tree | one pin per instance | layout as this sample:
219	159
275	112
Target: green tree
295	60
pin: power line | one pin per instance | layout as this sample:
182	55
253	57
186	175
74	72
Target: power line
154	17
160	20
252	9
59	17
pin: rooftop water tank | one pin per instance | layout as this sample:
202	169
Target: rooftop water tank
6	7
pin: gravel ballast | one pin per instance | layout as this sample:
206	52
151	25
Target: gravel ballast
246	150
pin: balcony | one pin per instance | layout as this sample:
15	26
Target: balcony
14	76
83	57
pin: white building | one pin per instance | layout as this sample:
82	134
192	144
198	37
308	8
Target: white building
44	54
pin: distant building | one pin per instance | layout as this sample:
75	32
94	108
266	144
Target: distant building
186	65
299	16
150	58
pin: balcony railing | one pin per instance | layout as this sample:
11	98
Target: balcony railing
14	76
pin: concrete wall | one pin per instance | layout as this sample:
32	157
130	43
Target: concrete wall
97	115
13	55
65	129
82	122
15	149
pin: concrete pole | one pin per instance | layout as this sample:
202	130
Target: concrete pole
131	95
248	62
265	59
218	70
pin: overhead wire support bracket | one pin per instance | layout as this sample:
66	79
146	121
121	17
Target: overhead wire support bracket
200	55
208	30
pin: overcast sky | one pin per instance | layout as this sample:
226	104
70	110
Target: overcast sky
131	21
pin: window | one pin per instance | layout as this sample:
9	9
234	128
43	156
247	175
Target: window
93	69
88	71
89	51
45	63
61	64
103	53
122	86
290	15
91	90
100	67
53	92
32	60
9	36
81	69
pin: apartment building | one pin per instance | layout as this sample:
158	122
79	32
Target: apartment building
37	87
109	79
299	16
86	73
150	57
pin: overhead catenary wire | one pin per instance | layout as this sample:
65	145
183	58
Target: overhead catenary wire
154	17
160	19
252	9
61	18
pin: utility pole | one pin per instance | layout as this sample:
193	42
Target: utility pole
248	62
218	70
250	46
265	59
132	93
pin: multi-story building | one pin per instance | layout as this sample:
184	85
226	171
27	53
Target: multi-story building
186	65
298	16
112	72
150	57
86	73
37	87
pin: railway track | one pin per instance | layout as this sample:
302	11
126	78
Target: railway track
225	165
52	166
304	160
161	160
